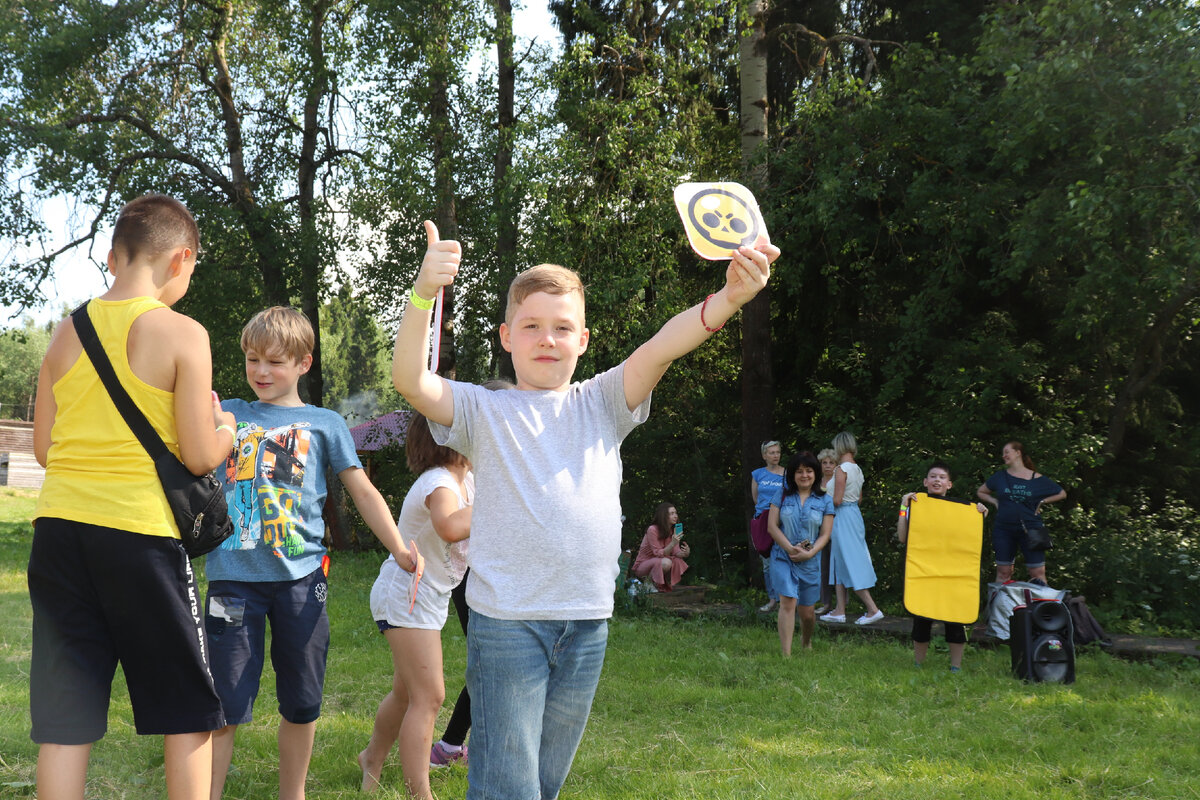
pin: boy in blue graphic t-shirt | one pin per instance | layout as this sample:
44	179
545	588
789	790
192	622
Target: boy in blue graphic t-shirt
271	567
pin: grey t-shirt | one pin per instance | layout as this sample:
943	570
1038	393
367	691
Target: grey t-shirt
546	524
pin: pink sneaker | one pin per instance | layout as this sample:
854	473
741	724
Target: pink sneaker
442	756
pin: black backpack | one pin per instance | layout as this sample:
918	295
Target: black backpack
1087	628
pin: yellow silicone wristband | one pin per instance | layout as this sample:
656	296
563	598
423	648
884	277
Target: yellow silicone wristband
227	428
418	301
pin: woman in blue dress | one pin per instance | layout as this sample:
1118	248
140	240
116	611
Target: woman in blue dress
850	564
800	522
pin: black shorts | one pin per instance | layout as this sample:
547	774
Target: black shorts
102	596
922	631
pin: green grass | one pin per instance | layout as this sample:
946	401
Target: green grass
704	709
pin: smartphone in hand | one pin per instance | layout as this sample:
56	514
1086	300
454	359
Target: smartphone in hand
678	530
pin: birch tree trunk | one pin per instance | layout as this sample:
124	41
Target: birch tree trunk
507	206
758	386
441	136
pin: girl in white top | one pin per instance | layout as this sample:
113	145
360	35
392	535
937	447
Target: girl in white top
829	462
437	515
850	561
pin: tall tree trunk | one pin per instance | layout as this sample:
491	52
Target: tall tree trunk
267	243
758	385
337	522
441	132
309	249
505	199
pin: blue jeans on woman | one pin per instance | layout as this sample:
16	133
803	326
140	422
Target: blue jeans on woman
531	684
772	594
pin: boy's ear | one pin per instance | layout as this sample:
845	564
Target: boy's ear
505	342
305	363
112	260
178	259
584	337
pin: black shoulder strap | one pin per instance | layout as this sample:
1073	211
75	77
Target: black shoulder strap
133	415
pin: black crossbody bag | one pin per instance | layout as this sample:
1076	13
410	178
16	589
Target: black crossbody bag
1036	534
197	502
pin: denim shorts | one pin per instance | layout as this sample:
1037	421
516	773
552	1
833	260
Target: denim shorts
389	601
531	684
1006	540
238	612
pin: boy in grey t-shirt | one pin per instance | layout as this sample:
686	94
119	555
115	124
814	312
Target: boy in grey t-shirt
546	529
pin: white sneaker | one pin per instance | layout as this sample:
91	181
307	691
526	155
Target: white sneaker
867	620
831	617
770	606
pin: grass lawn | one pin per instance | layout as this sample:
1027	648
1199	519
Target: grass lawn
703	709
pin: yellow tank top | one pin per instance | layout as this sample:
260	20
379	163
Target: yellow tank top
96	470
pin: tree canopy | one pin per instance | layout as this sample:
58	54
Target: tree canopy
988	213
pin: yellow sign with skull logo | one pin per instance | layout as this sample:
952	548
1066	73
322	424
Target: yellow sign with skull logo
719	218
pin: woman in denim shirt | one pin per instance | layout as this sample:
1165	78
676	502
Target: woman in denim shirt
800	522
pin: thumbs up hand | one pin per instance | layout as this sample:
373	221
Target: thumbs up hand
440	264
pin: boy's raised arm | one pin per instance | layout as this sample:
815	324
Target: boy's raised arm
427	392
745	277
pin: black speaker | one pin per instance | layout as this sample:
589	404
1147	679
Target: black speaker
1041	642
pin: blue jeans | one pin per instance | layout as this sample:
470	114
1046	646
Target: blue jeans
772	593
531	684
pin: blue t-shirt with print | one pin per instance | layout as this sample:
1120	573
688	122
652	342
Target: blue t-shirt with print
769	487
1018	498
800	520
274	483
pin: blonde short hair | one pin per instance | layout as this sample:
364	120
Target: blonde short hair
845	442
766	445
548	278
279	329
827	453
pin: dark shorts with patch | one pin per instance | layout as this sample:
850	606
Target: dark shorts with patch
102	596
236	620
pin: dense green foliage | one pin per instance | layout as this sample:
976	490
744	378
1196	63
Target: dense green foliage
988	213
993	248
21	351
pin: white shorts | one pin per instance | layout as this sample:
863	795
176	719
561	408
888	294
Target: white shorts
389	600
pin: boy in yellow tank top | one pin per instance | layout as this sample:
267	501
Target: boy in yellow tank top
108	577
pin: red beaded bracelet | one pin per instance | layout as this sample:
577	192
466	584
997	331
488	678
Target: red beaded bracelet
703	306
